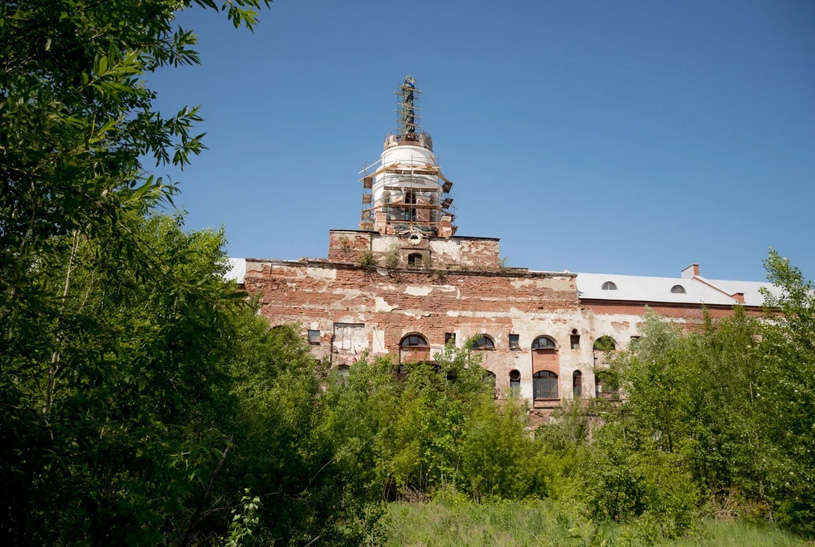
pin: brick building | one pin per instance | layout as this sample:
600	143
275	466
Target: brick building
404	284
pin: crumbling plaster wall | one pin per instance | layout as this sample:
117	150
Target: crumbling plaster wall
393	303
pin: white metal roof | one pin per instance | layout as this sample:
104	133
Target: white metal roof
751	289
698	290
237	269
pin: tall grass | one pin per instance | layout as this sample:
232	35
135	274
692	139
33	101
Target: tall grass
549	523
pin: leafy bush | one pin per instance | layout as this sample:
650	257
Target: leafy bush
366	259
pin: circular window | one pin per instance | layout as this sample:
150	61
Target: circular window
415	238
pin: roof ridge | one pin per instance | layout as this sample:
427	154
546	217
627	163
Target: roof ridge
704	281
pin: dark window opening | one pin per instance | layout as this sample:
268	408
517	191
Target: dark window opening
415	260
313	337
514	341
678	289
489	377
605	343
343	371
449	337
577	384
543	342
483	342
400	373
574	341
544	385
609	286
514	383
410	212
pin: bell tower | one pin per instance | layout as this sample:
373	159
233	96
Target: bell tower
405	192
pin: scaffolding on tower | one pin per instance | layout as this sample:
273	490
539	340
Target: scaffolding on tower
423	201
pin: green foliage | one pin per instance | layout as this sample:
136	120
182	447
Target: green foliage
244	521
439	427
114	405
545	522
391	257
498	457
366	259
143	398
76	121
706	414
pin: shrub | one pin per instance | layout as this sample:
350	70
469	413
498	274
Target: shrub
391	256
366	259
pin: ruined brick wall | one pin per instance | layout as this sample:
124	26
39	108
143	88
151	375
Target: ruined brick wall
461	290
453	253
622	320
348	245
342	301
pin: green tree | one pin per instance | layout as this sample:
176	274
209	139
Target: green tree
786	395
115	325
729	406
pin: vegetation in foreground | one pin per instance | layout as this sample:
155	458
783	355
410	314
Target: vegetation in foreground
544	523
144	402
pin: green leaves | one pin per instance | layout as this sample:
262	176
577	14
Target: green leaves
117	328
731	406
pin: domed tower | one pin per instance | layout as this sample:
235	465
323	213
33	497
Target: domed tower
405	191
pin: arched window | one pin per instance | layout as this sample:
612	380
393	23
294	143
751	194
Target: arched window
609	286
413	341
577	384
678	289
514	383
605	343
483	342
415	260
543	342
544	385
414	348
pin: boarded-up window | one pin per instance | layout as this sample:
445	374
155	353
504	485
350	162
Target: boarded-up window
545	355
350	337
349	341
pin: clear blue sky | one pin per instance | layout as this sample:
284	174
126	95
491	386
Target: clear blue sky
630	137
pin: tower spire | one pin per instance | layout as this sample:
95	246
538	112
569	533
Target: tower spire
408	119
